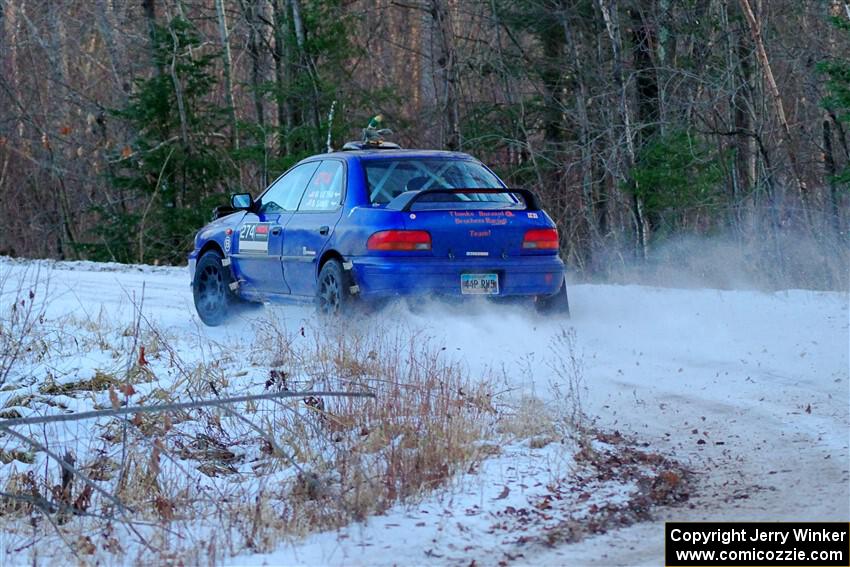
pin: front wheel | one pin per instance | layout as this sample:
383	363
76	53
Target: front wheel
557	304
333	294
211	289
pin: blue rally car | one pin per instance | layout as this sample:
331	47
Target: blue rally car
374	221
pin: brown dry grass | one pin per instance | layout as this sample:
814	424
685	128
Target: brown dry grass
261	473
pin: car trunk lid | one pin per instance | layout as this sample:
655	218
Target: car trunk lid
473	223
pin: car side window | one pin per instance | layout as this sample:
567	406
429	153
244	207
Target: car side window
324	192
285	193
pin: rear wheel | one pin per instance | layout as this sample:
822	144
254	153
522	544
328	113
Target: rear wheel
211	289
333	295
557	304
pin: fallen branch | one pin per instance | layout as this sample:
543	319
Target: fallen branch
13	422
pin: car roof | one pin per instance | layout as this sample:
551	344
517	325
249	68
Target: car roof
367	154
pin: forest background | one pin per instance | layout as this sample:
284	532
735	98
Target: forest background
707	134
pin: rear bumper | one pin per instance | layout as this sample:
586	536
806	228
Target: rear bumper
520	276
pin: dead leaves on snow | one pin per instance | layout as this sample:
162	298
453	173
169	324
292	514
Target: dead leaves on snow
567	512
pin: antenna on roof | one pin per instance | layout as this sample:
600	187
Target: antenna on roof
330	125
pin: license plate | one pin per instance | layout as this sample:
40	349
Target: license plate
479	284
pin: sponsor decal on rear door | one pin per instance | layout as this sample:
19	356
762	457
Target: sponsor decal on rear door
254	238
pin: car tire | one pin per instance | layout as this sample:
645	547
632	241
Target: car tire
333	294
557	304
211	289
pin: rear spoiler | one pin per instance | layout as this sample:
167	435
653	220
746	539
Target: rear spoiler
405	201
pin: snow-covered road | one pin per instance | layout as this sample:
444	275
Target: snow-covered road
749	389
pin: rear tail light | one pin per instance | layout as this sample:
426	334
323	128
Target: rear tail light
541	239
399	240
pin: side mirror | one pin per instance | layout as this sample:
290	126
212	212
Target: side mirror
242	201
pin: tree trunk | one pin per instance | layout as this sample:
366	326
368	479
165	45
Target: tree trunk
741	104
663	53
786	140
10	26
307	62
228	73
441	13
646	78
612	25
770	191
178	93
106	25
648	101
552	74
830	171
149	9
251	11
7	45
586	146
281	57
62	110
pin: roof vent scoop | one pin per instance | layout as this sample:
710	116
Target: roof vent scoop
373	137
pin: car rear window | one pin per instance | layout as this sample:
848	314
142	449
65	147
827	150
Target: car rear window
389	178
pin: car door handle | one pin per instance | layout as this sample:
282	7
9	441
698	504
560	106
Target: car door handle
324	229
276	231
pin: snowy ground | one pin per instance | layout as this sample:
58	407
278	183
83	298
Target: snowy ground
749	390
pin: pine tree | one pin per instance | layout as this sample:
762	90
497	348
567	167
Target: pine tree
166	180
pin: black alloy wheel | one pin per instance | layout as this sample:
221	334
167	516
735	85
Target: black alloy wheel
333	293
211	289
